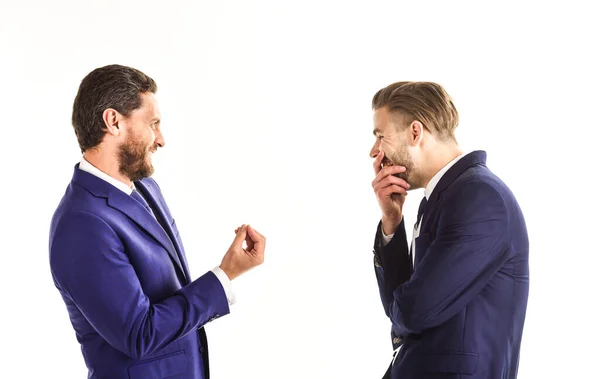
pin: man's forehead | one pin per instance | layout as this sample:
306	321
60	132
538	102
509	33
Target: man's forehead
380	120
383	119
150	105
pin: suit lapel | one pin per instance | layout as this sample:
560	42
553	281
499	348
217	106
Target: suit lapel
136	212
161	215
124	203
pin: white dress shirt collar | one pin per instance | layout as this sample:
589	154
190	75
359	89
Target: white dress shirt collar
436	178
86	166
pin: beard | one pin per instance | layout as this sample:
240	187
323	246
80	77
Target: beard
133	160
401	157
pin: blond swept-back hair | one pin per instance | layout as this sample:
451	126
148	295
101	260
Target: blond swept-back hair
426	102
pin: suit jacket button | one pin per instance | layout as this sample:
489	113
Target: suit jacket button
397	340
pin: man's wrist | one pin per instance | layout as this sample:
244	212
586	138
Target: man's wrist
229	272
390	224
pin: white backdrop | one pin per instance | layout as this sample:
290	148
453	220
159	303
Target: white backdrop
267	119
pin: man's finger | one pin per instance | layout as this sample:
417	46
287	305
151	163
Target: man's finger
257	232
378	160
249	244
387	171
388	191
258	247
256	239
254	234
240	237
391	179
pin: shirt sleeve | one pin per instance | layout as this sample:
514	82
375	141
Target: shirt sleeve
226	283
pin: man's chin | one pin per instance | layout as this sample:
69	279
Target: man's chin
141	174
149	171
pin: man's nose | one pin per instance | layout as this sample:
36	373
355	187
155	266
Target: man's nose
374	150
159	139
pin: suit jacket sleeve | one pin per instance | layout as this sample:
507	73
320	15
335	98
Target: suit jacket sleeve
469	248
90	265
392	264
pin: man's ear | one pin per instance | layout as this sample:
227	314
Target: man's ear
111	121
417	131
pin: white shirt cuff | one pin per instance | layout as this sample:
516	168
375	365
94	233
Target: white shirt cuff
386	238
226	283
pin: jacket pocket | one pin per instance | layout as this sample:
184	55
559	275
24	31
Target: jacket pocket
160	367
455	363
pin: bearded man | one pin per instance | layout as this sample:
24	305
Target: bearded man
116	255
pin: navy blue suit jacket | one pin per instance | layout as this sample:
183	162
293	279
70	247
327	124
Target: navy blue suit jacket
124	278
460	313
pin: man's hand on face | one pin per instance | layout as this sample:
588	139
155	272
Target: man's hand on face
391	192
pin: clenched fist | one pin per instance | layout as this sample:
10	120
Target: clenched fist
238	259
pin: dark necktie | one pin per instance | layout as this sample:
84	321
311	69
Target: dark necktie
419	215
136	195
421	209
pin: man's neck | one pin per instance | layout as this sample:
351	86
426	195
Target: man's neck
440	156
104	162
